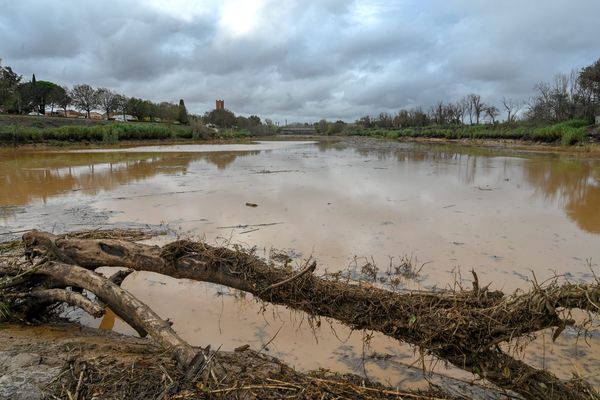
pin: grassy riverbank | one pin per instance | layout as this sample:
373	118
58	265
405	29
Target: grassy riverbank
566	133
20	130
23	130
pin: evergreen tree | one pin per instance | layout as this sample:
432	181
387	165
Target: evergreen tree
9	95
182	115
33	92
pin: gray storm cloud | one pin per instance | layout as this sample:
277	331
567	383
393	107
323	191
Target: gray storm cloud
301	60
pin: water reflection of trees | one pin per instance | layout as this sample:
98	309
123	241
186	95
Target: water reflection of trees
441	159
223	160
575	184
27	176
572	183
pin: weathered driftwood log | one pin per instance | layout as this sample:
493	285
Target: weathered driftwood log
38	299
125	305
463	328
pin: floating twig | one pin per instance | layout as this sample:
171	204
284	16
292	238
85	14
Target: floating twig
249	225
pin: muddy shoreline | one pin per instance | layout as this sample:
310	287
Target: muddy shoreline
591	150
46	361
67	145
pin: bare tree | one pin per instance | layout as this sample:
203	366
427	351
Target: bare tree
419	117
460	110
556	101
492	112
121	105
468	107
85	98
402	119
107	100
477	106
560	101
540	106
65	101
384	120
452	113
512	108
438	113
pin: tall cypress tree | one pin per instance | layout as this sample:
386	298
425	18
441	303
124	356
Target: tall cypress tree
182	115
35	101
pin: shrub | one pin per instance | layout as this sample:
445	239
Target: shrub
573	136
200	131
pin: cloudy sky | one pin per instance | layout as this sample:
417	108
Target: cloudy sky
301	60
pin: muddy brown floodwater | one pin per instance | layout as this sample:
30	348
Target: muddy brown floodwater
505	214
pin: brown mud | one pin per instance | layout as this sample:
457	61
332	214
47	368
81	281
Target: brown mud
591	150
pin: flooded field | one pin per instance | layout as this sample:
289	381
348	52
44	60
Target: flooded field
507	215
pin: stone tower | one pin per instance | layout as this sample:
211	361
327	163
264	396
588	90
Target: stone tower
220	104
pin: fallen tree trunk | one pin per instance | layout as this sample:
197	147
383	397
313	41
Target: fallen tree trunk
463	327
122	303
37	299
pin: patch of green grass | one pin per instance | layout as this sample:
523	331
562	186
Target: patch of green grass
233	133
113	132
567	133
108	133
573	136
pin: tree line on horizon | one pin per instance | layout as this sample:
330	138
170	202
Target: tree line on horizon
41	97
570	96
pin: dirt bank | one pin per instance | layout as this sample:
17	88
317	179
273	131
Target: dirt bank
591	150
65	360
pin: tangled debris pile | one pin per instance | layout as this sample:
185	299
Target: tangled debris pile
465	328
68	361
247	375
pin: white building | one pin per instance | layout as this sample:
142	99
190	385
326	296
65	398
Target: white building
121	117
